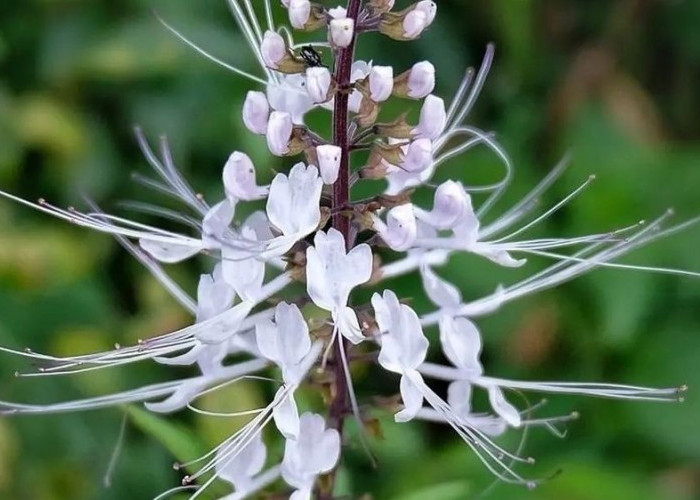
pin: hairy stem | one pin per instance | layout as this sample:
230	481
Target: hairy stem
341	197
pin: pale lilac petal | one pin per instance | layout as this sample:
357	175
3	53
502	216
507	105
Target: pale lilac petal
412	400
503	408
461	343
441	292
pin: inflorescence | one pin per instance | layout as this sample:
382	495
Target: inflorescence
312	231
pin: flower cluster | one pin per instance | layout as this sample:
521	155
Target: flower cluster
312	231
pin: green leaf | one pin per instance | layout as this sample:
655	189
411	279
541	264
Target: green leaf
456	490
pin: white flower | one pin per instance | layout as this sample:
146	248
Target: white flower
459	398
279	132
169	252
318	83
400	230
442	293
332	273
315	451
286	413
329	157
341	32
215	224
273	49
421	80
381	83
214	296
256	111
299	13
240	468
286	341
293	206
461	343
433	118
241	269
452	208
239	179
290	96
403	349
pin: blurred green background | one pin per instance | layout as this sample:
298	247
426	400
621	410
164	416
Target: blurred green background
614	83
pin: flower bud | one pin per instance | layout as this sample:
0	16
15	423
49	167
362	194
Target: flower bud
279	132
341	32
239	178
329	157
409	23
338	12
400	230
276	55
318	84
381	83
433	118
273	49
416	83
413	24
299	13
429	8
305	15
418	156
256	111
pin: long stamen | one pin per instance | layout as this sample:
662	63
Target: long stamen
549	212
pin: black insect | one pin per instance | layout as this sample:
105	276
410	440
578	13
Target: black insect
311	57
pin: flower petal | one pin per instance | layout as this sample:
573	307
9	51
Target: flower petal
412	400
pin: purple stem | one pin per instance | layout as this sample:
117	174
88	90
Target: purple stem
340	406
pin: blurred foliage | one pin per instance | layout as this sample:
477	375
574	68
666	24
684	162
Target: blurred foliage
614	83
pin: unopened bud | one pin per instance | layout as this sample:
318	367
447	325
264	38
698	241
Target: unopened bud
299	13
279	132
413	24
429	8
304	15
433	118
416	83
341	32
381	83
410	23
276	55
273	49
329	157
256	111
